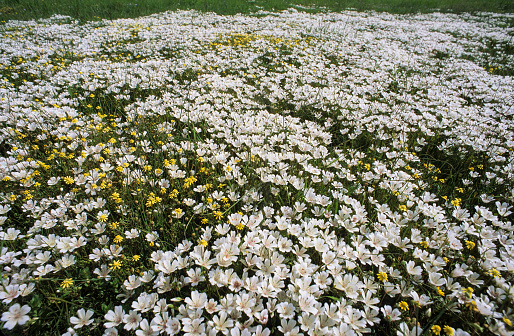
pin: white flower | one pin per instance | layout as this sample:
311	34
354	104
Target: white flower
197	300
131	320
436	279
413	269
83	318
405	331
221	323
146	330
110	332
114	317
15	315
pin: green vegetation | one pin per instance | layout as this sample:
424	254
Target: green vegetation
113	9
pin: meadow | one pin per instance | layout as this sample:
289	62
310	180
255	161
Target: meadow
268	173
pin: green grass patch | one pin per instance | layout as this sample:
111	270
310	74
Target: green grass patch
87	10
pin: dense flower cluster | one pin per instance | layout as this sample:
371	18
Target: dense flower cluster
285	173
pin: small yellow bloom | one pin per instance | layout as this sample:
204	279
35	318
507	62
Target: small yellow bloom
218	214
382	276
448	330
494	272
116	264
205	221
403	305
203	242
470	245
436	330
471	305
468	291
66	283
68	180
507	321
118	239
136	257
440	292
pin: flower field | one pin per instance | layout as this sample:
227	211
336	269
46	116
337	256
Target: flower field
188	173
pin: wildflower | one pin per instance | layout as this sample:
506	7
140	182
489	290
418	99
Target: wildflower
218	214
468	291
118	239
448	330
15	315
494	272
136	257
203	242
470	245
440	292
102	215
114	317
436	330
507	321
115	265
66	283
83	318
131	320
403	305
382	276
68	180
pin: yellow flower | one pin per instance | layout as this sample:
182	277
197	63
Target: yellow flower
448	330
440	292
118	239
66	283
494	272
218	214
116	264
68	180
470	245
382	276
203	242
436	330
457	202
468	291
507	321
136	257
205	221
403	305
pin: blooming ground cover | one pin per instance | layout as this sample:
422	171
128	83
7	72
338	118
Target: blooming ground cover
278	173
